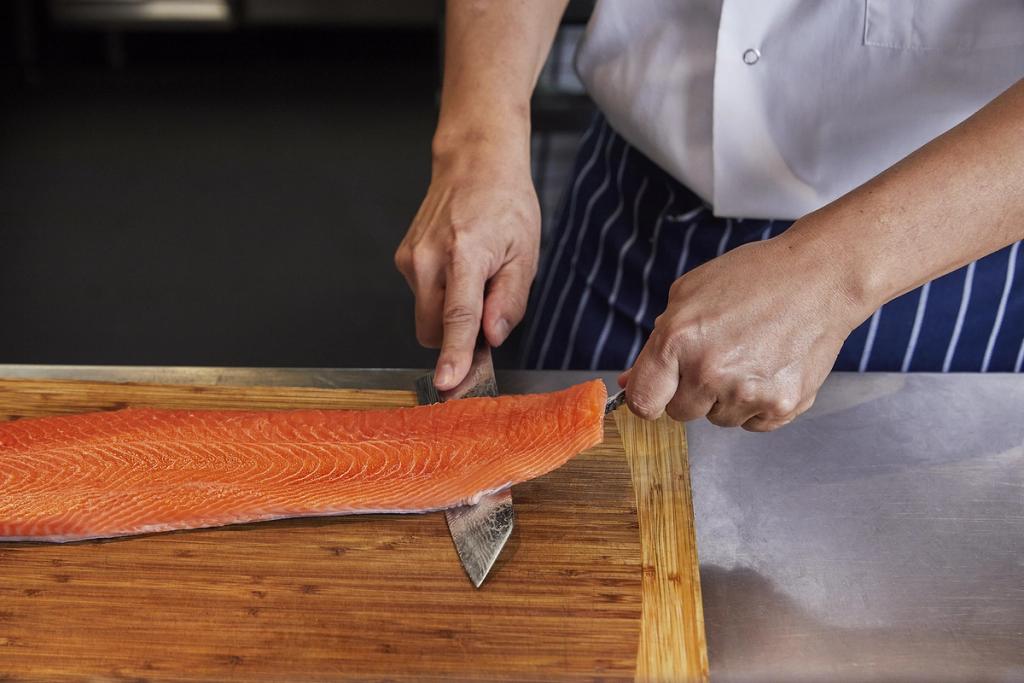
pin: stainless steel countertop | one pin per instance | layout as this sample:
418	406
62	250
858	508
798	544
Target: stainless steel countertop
879	537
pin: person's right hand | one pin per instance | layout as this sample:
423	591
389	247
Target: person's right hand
470	255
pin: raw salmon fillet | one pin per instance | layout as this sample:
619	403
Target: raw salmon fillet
141	470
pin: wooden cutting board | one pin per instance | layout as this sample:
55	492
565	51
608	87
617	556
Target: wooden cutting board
598	582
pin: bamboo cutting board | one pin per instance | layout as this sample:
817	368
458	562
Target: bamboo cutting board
598	582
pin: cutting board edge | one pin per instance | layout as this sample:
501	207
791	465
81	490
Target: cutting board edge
673	643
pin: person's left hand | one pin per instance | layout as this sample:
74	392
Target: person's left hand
746	339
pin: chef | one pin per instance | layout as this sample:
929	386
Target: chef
772	190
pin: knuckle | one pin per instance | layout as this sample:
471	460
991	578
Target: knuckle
747	392
675	341
524	214
403	259
460	243
420	260
457	315
783	405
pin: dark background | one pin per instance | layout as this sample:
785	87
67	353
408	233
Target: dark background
227	192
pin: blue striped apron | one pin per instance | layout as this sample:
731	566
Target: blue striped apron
626	230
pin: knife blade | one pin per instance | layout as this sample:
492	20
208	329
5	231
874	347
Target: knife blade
479	531
614	401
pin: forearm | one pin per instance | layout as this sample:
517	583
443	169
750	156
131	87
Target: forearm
494	51
956	199
471	251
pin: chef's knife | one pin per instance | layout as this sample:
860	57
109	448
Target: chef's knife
479	531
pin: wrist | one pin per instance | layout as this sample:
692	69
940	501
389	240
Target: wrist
480	157
499	133
851	283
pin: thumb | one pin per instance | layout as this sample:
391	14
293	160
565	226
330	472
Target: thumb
652	382
505	304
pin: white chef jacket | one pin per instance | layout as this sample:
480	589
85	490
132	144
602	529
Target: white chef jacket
772	108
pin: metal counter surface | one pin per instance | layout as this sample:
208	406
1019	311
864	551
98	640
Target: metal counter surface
878	537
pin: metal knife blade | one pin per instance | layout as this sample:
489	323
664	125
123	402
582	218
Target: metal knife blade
614	401
479	531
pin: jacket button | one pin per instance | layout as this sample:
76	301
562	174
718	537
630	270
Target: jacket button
751	55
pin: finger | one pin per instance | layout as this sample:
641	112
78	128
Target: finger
423	270
759	423
742	401
653	380
403	261
624	378
769	423
730	413
505	305
463	305
690	403
429	311
426	278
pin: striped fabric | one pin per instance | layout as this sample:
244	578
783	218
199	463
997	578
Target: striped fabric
626	230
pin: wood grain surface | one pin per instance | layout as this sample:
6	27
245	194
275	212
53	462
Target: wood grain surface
367	597
672	642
